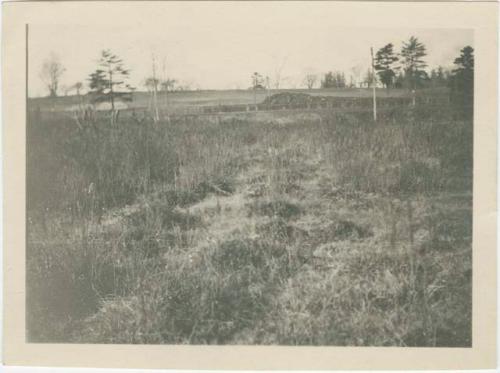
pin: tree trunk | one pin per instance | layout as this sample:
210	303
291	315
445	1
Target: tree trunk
111	93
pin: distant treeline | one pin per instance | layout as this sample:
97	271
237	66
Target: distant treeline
406	69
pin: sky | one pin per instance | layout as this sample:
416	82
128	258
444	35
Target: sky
215	49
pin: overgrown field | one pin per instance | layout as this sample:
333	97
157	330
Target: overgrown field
293	229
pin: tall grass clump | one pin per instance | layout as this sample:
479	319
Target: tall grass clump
405	154
206	300
99	165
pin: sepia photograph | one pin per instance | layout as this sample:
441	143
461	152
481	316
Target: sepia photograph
280	191
236	175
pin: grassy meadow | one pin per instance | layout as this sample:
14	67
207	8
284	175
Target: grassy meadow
291	228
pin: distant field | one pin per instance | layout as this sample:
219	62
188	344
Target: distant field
212	98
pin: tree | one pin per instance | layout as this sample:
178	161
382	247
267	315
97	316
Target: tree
462	80
384	61
340	80
78	87
352	82
51	72
356	74
267	82
278	73
412	55
399	80
328	80
109	81
439	77
267	85
310	80
368	78
257	81
168	85
333	80
151	84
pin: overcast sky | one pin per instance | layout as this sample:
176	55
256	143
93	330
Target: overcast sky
213	49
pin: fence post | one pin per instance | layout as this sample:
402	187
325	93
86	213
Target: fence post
374	88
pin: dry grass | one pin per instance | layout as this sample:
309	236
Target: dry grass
282	230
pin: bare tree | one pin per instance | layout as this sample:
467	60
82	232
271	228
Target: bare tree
278	73
151	84
257	83
368	79
51	72
78	87
267	85
155	83
310	80
168	85
356	72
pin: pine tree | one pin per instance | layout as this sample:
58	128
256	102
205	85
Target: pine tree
412	55
462	80
109	81
384	61
439	77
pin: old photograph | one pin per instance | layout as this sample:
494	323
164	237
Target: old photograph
245	180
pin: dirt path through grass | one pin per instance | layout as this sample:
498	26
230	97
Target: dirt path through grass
338	258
